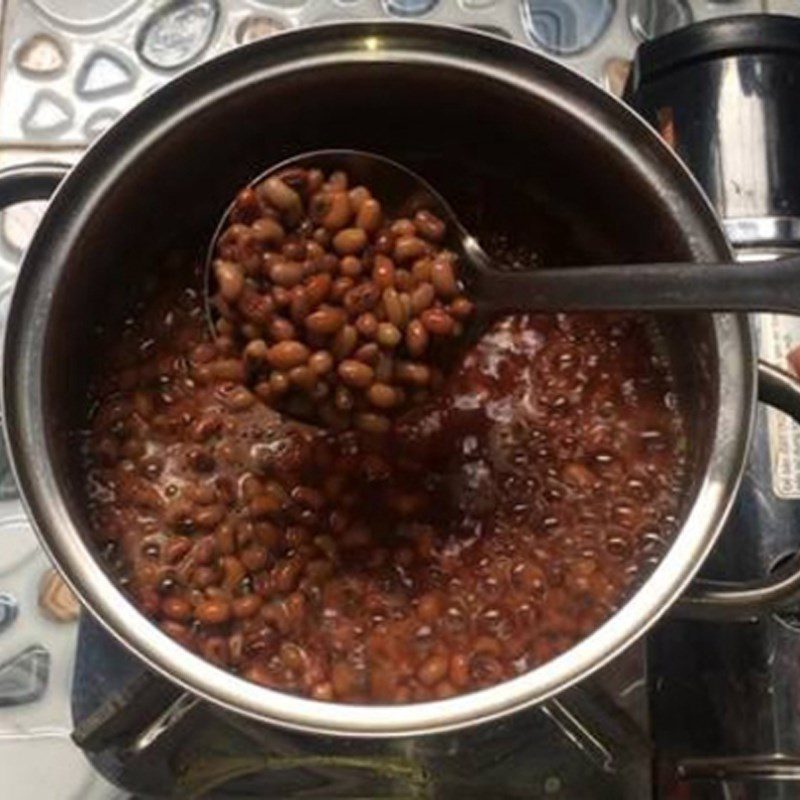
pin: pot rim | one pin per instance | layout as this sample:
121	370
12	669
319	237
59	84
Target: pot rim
358	42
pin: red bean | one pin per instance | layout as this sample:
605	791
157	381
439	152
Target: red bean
437	321
462	308
321	362
338	211
286	273
416	338
355	373
361	299
233	572
176	608
213	612
177	631
309	497
383	272
344	342
338	180
384	242
323	691
345	680
409	248
293	249
430	607
429	226
350	241
443	278
388	335
209	516
254	557
256	350
413	373
264	505
268	230
282	197
317	288
203	577
351	266
369	216
247	606
357	196
239	398
281	329
422	297
246	206
403	281
229	279
314	180
286	574
422	270
176	549
433	670
381	395
228	370
367	325
295	177
340	287
215	649
395	311
372	423
403	227
279	383
288	354
326	320
300	305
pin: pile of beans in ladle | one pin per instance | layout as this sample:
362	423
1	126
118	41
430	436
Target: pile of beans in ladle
340	313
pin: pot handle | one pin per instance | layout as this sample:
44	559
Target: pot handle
745	601
35	181
30	182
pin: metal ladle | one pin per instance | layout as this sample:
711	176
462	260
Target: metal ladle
752	286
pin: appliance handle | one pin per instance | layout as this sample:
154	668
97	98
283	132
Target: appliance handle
746	601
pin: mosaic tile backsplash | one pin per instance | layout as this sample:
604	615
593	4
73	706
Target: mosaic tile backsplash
68	70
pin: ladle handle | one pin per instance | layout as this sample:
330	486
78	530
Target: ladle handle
751	286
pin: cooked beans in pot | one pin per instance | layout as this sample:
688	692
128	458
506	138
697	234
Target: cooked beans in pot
393	557
331	300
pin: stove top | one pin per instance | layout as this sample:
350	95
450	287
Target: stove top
699	710
144	734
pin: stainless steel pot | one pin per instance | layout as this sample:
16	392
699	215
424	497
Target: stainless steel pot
528	143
